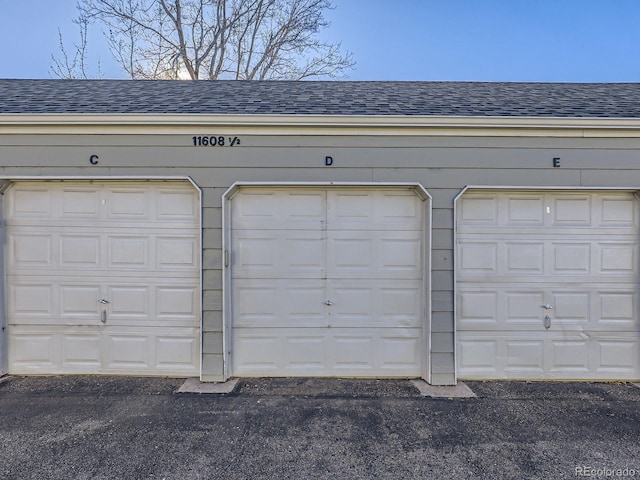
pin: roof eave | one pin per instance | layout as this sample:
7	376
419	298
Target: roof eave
79	123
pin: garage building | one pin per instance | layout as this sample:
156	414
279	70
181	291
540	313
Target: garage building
217	229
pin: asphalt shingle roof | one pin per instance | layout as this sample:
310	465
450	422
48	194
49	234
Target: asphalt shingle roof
476	99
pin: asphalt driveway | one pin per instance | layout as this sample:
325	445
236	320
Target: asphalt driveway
140	428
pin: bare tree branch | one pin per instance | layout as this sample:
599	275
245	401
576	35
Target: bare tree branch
213	39
76	67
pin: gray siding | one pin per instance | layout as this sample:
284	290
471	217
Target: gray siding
444	166
3	309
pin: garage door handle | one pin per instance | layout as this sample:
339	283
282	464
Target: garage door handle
103	313
328	302
546	306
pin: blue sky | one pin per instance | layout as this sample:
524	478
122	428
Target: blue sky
474	40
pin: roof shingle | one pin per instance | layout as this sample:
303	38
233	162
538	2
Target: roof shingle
475	99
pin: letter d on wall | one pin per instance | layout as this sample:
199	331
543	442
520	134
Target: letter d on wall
328	161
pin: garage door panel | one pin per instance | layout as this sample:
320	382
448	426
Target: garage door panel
401	256
400	352
172	349
570	357
175	205
81	352
480	258
522	258
31	350
305	352
373	210
521	210
79	203
302	254
30	251
528	211
524	356
349	352
177	252
79	302
494	308
523	307
277	253
176	302
128	252
371	303
253	352
532	356
401	305
353	351
255	254
511	259
618	355
477	211
574	306
66	251
79	251
128	351
618	211
617	258
72	244
129	301
618	307
352	254
352	306
582	264
279	210
572	210
31	301
302	352
176	353
131	203
595	305
29	202
478	357
279	303
477	307
571	258
255	304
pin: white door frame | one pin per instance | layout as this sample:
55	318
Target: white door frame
517	188
4	354
227	314
8	180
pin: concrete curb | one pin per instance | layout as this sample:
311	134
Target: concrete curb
193	385
435	391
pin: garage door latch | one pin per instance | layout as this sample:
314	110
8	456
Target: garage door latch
103	313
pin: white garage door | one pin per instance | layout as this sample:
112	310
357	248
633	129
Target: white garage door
327	282
547	285
103	278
